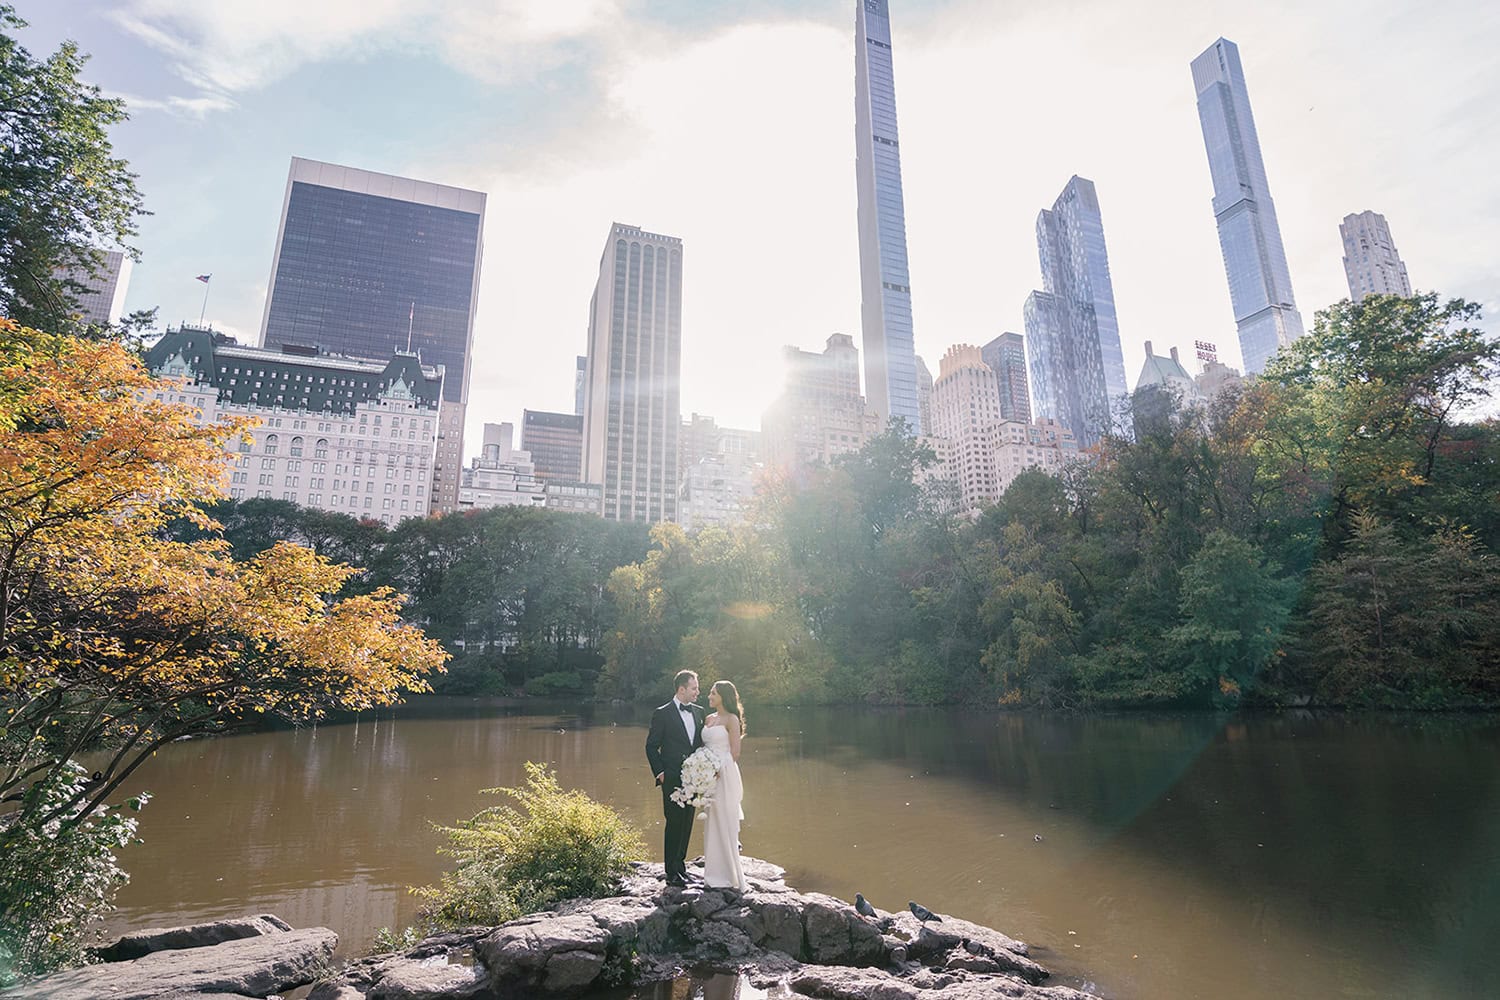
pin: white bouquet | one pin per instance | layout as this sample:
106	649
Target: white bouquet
700	771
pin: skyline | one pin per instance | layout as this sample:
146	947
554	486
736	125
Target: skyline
548	156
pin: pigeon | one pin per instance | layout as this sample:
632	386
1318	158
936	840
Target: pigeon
862	906
922	913
975	948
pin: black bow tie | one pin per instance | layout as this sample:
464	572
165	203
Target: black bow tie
683	708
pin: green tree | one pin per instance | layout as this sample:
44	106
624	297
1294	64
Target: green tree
1373	393
1408	621
1234	608
63	193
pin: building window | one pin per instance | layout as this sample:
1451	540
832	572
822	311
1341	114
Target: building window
272	444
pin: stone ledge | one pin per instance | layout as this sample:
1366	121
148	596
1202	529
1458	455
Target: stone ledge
253	966
810	944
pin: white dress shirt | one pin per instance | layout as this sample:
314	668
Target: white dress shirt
689	721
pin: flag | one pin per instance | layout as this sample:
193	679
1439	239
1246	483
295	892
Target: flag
204	278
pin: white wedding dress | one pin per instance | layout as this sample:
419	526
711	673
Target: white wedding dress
721	835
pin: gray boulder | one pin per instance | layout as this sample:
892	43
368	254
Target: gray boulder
196	936
254	966
335	991
522	954
944	942
428	979
837	935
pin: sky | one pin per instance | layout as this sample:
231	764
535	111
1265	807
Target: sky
731	126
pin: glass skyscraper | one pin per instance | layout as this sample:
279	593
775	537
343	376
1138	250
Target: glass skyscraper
1260	287
885	286
1006	355
369	263
1077	366
632	414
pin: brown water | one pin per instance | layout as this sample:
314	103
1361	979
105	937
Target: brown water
1181	855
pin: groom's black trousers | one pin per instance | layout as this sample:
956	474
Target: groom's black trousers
679	830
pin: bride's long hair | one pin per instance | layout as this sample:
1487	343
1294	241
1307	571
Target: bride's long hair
729	695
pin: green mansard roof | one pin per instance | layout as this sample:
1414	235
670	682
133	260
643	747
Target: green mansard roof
294	378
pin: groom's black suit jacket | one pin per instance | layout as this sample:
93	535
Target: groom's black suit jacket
667	742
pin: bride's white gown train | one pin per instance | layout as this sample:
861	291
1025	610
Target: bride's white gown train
721	835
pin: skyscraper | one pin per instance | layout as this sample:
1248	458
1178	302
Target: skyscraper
631	412
885	285
1006	356
1370	259
1260	287
924	394
555	443
965	406
819	413
369	263
101	299
1077	366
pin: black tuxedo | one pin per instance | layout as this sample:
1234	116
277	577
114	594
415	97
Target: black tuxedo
667	746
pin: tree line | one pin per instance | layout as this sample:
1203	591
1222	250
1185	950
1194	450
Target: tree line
1323	534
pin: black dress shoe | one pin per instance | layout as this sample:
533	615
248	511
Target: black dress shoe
676	881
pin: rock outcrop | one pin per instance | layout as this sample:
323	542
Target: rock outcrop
251	966
806	943
197	936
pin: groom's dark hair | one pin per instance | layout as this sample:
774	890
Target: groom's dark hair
683	676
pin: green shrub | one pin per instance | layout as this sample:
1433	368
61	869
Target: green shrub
557	684
387	940
545	846
56	879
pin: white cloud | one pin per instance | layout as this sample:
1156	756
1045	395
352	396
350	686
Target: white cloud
227	48
184	107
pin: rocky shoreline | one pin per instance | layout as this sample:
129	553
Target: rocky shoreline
779	939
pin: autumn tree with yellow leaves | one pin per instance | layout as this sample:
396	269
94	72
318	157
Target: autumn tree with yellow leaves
113	636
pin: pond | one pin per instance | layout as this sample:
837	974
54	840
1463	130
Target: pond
1163	855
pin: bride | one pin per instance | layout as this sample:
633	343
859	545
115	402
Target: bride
722	732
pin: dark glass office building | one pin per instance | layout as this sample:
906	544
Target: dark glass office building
369	263
555	441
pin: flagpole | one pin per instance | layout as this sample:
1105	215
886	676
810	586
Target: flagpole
204	311
411	319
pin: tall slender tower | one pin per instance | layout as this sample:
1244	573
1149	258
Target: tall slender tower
1260	287
1077	366
369	263
885	285
631	409
1370	259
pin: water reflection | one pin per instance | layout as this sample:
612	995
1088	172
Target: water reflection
1180	855
705	985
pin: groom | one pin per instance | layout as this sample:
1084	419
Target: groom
676	731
